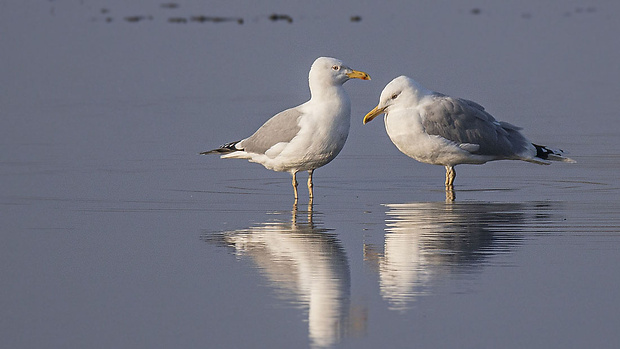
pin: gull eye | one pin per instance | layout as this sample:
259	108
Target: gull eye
335	67
394	96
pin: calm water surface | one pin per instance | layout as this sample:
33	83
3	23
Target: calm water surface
116	234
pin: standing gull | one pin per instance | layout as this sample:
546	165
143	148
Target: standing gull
308	136
441	130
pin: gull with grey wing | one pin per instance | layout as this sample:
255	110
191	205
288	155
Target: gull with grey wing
437	129
308	136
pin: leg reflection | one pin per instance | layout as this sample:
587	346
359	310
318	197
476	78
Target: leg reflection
450	195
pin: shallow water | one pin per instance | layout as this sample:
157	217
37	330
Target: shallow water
115	233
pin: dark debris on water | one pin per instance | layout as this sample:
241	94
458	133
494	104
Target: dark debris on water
203	19
274	17
135	19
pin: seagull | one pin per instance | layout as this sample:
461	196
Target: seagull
307	136
437	129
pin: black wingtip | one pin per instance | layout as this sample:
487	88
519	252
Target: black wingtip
223	149
550	154
542	152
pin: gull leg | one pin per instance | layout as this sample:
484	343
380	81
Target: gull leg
450	175
310	185
295	184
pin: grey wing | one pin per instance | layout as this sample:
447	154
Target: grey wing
282	127
466	122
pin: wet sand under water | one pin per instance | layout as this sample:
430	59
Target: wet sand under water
115	233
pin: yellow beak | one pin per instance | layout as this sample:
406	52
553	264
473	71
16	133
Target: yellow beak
355	74
373	114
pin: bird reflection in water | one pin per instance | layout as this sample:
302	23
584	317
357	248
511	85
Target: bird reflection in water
425	242
307	265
